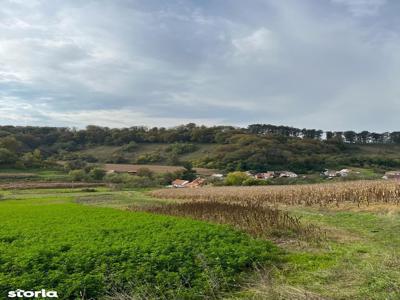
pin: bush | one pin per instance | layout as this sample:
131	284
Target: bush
32	159
7	157
115	178
89	158
97	173
77	175
167	178
151	157
145	172
133	181
253	181
236	178
132	146
75	164
117	159
139	182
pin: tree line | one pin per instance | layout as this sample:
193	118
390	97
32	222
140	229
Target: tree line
32	137
256	147
349	136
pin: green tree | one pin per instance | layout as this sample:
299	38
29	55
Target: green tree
97	173
132	146
7	157
32	159
145	172
10	143
350	136
236	178
78	175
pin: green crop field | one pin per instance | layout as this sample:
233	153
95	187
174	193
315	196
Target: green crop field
86	252
95	244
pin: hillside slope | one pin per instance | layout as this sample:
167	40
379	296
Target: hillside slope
252	155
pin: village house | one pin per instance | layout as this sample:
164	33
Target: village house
265	175
288	174
344	172
217	175
198	182
180	183
334	173
392	175
120	172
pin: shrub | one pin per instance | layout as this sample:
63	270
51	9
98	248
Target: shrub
145	172
167	178
77	175
132	146
253	181
139	182
151	157
236	178
89	158
117	159
97	173
75	164
7	157
127	180
32	159
115	178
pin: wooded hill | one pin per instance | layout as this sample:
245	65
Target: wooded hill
258	147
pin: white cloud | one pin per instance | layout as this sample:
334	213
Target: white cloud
20	113
259	40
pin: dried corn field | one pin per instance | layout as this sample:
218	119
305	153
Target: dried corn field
253	219
358	192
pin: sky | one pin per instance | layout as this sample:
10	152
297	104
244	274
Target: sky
326	64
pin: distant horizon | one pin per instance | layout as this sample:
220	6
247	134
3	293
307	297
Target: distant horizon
213	125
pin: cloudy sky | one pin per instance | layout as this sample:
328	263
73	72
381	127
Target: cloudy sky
328	64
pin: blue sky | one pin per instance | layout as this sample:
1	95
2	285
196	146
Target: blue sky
328	64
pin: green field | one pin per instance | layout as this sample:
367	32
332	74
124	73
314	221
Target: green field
85	245
359	260
10	174
48	241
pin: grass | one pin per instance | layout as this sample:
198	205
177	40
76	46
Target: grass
48	241
96	250
120	200
388	150
360	260
7	175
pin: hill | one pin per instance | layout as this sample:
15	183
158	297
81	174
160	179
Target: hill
258	147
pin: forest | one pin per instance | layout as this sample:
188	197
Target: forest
257	147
